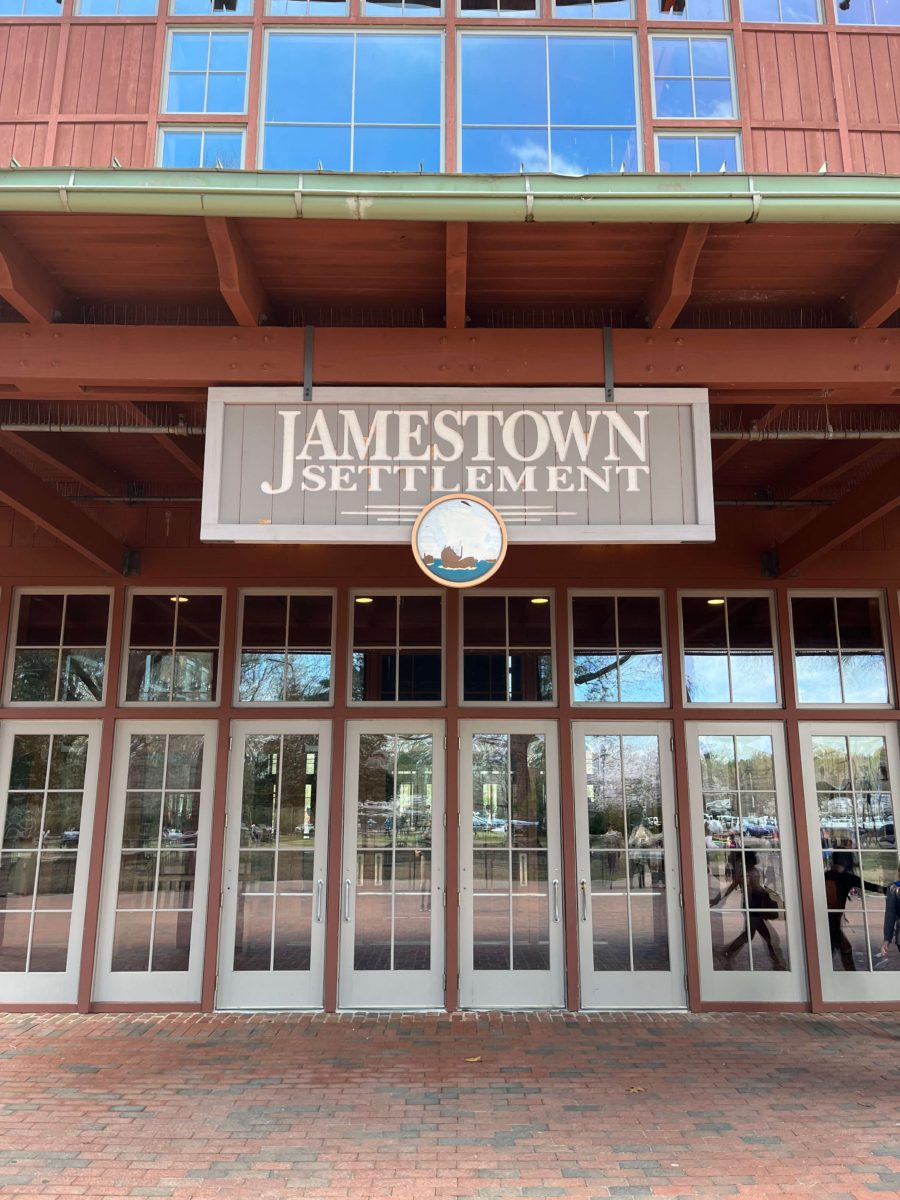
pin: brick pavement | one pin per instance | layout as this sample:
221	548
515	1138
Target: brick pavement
372	1106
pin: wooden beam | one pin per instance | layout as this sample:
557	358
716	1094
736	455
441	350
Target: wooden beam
238	280
457	266
820	469
34	499
26	286
730	360
182	448
725	453
673	288
878	297
62	452
874	497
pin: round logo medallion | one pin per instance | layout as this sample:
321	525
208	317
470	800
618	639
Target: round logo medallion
459	540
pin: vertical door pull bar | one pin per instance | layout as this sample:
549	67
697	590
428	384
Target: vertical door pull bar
319	900
346	899
555	899
584	899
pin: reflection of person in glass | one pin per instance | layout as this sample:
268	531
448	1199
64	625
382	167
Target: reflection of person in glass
745	874
892	916
840	880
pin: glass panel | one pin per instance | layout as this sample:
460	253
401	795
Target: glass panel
865	678
87	620
813	619
412	911
859	623
34	675
611	932
715	154
22	829
484	621
753	679
262	677
253	926
81	677
594	621
131	941
149	676
309	623
17	875
649	928
596	678
265	623
171	941
375	621
14	944
503	80
175	888
717	762
137	880
706	678
293	933
818	678
412	806
28	770
755	761
528	796
530	624
40	620
153	617
398	79
484	676
703	623
530	675
198	620
56	880
195	676
184	765
374	911
297	812
62	820
418	676
146	760
49	941
490	933
420	621
641	678
68	760
530	912
749	623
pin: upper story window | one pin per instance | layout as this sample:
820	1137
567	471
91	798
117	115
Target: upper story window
700	153
508	648
307	8
173	648
30	8
839	652
608	10
212	8
869	12
694	10
498	8
59	652
201	148
787	12
285	649
617	655
549	102
729	655
397	647
403	8
207	71
352	101
116	8
692	77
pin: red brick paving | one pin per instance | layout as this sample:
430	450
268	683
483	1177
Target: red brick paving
555	1106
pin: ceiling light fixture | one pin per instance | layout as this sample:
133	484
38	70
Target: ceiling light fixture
364	599
179	599
716	600
540	600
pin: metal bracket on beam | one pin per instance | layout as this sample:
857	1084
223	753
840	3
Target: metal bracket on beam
308	348
768	564
608	378
131	562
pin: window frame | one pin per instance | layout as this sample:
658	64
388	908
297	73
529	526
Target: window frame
368	9
352	30
686	135
557	15
497	14
76	12
396	592
726	35
547	31
617	593
213	15
162	130
172	31
170	705
682	17
24	15
263	706
738	594
820	17
873	24
12	645
837	594
554	701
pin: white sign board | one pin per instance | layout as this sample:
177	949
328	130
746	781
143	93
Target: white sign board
359	464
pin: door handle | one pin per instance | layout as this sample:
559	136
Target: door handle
555	899
584	899
346	899
319	900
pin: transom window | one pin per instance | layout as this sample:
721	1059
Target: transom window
788	12
29	8
498	8
869	12
839	650
307	8
692	77
214	8
403	8
397	647
508	648
549	102
617	650
728	649
703	153
352	102
207	71
173	648
116	8
694	10
610	10
209	148
285	649
60	647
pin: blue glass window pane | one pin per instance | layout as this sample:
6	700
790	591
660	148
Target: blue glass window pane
578	10
710	57
203	8
38	8
859	13
592	151
185	93
398	79
713	152
760	10
706	678
189	51
591	81
800	12
224	148
886	12
322	8
181	149
309	77
226	93
303	147
672	56
504	151
137	8
228	52
384	8
753	679
504	80
673	98
87	8
678	154
395	149
818	679
713	98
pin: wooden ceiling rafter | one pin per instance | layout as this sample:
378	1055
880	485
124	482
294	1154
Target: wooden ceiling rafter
671	292
63	454
185	450
730	450
238	278
457	254
878	297
819	470
26	286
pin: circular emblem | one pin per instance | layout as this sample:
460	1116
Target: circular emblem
459	540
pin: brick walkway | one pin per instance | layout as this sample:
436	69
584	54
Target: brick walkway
375	1106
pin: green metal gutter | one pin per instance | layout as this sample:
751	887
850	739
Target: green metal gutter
826	199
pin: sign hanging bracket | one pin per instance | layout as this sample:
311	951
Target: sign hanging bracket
309	342
608	378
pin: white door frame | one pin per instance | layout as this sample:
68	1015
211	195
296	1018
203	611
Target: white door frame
55	987
392	989
846	986
154	987
754	986
629	989
511	989
272	989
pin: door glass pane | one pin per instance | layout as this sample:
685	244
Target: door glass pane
393	883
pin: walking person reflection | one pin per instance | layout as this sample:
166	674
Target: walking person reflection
891	916
840	881
760	906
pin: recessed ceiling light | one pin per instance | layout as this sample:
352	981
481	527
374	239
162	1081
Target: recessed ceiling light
540	599
179	599
716	600
364	599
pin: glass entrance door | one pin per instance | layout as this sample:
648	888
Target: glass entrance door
629	916
392	886
510	887
272	944
745	872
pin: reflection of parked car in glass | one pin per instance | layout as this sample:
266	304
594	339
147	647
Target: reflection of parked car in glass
69	837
